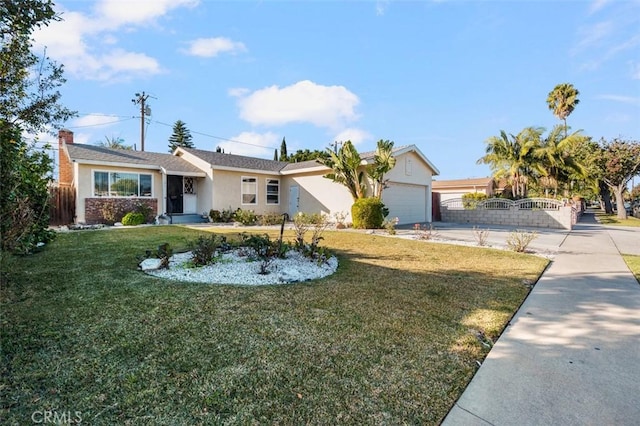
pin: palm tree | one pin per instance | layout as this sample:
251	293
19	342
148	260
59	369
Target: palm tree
114	143
383	162
511	157
345	165
562	100
555	159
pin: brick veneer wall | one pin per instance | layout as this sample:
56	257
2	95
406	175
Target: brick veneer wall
558	219
94	207
65	171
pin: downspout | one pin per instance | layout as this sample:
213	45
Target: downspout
163	172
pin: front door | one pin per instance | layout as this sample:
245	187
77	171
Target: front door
294	200
174	194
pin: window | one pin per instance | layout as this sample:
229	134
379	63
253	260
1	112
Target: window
117	184
273	191
249	190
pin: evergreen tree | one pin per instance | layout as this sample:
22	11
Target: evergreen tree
181	136
283	150
275	155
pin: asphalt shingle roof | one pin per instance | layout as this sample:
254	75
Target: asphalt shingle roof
237	161
170	162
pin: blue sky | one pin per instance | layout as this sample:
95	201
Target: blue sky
443	75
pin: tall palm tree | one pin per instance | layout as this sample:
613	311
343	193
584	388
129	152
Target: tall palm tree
345	165
555	159
511	157
562	100
383	162
115	143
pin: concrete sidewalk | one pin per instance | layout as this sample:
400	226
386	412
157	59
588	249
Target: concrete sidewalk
571	354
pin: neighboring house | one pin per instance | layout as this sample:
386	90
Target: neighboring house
449	189
191	181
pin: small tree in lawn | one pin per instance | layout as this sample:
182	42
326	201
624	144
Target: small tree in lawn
181	136
619	161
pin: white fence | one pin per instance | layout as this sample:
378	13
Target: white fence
531	212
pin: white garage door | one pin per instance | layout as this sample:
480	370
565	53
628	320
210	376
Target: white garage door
406	202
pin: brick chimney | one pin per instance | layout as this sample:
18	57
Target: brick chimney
65	175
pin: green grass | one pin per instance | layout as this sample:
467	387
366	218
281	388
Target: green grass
633	262
611	219
389	338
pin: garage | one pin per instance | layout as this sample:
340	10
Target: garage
407	202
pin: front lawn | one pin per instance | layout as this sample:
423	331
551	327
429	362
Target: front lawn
612	219
633	262
391	338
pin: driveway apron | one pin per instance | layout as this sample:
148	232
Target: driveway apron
571	354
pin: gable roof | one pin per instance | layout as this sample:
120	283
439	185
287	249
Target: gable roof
98	155
219	160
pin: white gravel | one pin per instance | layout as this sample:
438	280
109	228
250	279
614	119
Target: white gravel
235	269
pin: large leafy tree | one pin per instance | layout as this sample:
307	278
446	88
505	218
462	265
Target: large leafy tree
555	160
619	161
346	169
512	157
562	100
383	162
307	155
181	136
29	102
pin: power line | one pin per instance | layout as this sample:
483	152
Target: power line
219	137
102	124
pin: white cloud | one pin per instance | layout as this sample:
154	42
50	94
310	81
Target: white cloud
67	40
252	144
635	71
119	12
381	7
95	120
211	47
356	136
238	92
303	102
592	36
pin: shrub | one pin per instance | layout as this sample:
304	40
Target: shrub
203	249
164	253
270	219
481	236
112	212
518	240
246	217
146	212
424	232
133	219
471	199
215	216
264	249
390	225
367	213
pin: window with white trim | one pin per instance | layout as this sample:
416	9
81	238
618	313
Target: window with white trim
249	190
122	184
273	191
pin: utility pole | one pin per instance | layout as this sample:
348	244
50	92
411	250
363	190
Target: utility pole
335	146
140	99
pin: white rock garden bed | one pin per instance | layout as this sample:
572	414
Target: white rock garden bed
231	268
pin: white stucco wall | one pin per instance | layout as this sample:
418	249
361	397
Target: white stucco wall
320	195
227	192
